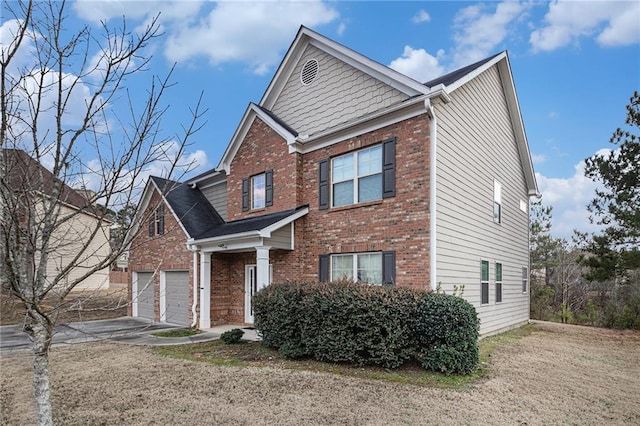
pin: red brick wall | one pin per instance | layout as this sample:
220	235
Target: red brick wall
400	223
262	150
160	252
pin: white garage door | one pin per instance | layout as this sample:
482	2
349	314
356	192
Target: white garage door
146	295
177	297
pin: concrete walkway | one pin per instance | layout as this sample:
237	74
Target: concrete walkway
133	331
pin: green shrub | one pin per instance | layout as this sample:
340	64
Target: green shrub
277	311
232	336
368	325
447	331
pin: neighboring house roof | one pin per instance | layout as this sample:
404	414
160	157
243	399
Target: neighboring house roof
27	174
189	205
254	224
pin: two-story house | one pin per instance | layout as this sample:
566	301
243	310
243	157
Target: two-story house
347	169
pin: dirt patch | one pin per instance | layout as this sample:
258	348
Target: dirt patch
558	374
79	306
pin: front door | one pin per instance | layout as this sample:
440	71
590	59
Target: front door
251	288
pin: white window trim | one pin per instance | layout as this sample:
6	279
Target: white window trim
252	191
355	264
499	282
356	176
497	200
482	282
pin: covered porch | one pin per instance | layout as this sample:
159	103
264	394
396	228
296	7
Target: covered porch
235	260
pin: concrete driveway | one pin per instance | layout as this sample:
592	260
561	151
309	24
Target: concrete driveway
124	329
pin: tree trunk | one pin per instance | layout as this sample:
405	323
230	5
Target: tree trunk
41	389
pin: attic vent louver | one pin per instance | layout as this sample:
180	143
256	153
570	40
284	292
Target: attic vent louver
309	72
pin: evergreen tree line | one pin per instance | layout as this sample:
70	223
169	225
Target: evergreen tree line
594	279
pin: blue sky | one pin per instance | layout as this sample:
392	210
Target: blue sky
575	65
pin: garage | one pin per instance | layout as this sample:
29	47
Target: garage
175	297
146	295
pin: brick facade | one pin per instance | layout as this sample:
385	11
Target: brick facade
167	252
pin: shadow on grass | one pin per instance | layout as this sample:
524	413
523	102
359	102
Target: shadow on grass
254	354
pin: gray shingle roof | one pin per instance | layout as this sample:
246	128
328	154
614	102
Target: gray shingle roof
193	209
256	223
458	74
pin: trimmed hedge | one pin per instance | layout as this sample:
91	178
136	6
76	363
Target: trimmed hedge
368	325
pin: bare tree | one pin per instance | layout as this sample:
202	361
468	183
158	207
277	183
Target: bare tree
65	105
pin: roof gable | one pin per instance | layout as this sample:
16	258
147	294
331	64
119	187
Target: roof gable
306	37
252	112
189	206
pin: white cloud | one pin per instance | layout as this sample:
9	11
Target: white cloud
612	23
420	17
418	64
252	33
554	114
569	198
478	30
99	10
538	158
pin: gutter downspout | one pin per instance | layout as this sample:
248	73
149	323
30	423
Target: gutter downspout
432	192
195	292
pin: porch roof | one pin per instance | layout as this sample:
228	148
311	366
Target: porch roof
252	224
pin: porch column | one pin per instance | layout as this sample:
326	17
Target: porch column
262	267
205	290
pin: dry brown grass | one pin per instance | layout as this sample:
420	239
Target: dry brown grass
558	374
79	306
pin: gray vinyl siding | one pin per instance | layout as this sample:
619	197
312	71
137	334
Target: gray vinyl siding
339	94
177	298
146	295
476	145
281	238
216	192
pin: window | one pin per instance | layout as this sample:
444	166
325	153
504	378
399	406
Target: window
156	221
498	282
525	279
497	202
371	268
257	191
160	219
358	177
484	282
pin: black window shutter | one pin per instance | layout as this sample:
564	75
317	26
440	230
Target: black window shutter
389	168
388	267
323	274
245	195
268	190
152	225
323	182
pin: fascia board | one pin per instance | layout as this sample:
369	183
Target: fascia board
473	74
224	238
266	232
360	62
249	116
518	124
377	120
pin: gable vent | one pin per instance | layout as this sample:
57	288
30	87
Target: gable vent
309	72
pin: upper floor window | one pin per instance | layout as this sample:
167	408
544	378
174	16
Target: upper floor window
156	221
357	177
497	202
257	191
